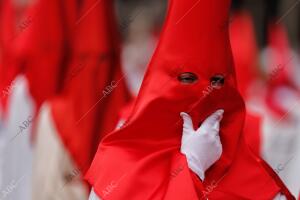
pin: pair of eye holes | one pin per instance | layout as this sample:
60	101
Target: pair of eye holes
216	81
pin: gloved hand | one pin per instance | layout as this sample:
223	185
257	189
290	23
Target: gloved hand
202	147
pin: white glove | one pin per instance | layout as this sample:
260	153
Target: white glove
93	195
280	197
202	147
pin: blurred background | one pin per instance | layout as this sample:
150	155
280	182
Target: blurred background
64	63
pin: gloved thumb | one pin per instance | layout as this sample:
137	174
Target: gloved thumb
187	123
213	121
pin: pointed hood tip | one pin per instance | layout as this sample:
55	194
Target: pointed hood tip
196	33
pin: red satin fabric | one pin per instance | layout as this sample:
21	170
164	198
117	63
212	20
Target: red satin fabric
95	89
139	160
253	133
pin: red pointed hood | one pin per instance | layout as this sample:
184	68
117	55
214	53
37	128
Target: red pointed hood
95	89
145	153
281	60
42	46
16	44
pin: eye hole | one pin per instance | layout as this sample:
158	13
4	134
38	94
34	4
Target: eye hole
188	78
217	81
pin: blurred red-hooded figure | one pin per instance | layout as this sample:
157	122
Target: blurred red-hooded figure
43	49
72	124
95	89
137	161
245	55
32	48
280	143
34	44
244	49
279	67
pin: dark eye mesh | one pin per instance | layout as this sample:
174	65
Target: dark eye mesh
217	81
188	78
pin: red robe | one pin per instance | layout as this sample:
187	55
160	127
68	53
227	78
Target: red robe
139	160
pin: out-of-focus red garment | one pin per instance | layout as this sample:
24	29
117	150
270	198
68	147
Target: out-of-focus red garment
36	46
244	49
281	62
43	52
95	89
138	161
245	54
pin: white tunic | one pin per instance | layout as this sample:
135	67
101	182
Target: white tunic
55	176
